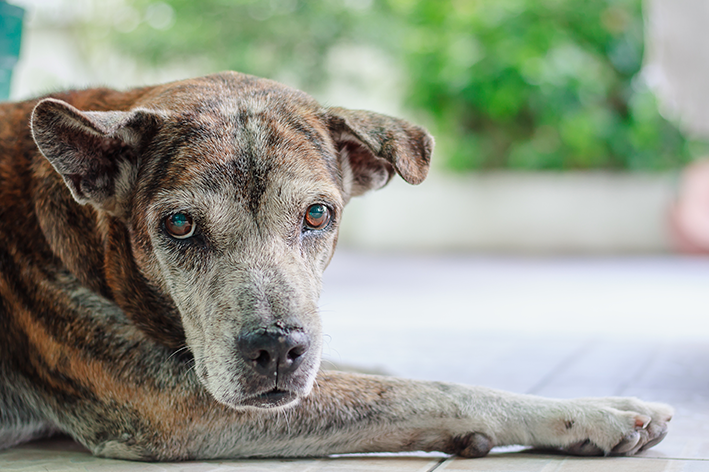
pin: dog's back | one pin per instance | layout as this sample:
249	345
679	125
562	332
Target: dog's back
23	249
51	263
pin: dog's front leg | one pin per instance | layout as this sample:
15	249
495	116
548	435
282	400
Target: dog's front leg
360	413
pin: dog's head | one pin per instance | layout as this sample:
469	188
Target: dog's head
230	191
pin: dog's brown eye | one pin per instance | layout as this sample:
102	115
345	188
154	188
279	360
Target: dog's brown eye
179	225
317	216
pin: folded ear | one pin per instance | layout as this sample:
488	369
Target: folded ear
373	147
96	153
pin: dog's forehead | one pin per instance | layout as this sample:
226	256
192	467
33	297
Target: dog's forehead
247	142
230	92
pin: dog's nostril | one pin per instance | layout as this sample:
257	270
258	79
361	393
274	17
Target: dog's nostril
263	358
295	353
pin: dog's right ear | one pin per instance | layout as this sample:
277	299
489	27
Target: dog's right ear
96	153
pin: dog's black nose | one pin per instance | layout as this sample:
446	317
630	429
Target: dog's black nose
274	351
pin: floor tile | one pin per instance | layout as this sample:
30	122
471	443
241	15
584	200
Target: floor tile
540	463
499	463
60	455
603	367
387	464
509	361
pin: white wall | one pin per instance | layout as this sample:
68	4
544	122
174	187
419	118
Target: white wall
516	212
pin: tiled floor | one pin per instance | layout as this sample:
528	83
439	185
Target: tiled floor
555	327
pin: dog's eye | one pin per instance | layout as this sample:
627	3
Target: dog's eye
180	225
317	216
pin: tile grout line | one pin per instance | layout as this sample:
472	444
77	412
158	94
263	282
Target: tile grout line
563	364
652	357
440	463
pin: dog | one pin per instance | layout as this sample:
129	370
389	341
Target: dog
161	252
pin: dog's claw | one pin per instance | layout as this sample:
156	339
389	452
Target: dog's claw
656	441
641	439
627	444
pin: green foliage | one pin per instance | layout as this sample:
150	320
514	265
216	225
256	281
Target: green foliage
264	38
522	84
540	84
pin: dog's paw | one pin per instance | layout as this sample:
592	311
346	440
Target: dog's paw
617	426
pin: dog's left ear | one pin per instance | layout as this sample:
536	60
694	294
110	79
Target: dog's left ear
375	147
96	153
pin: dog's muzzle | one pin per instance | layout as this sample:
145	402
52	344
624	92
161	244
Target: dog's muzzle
274	354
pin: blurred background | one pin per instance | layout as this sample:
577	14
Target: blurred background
562	126
566	131
559	245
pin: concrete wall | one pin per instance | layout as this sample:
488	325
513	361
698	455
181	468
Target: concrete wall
591	213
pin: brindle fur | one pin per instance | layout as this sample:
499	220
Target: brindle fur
126	339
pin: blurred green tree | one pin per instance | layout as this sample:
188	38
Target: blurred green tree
516	84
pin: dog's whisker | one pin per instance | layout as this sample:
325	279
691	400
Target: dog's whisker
316	385
183	348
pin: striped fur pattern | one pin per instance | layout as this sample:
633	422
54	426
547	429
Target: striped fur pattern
146	343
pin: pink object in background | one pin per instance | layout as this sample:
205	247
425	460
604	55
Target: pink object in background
690	215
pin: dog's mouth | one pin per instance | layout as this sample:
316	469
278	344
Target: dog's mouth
271	399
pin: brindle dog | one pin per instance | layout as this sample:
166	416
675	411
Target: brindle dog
161	252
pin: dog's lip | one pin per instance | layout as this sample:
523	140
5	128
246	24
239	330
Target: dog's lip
271	399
